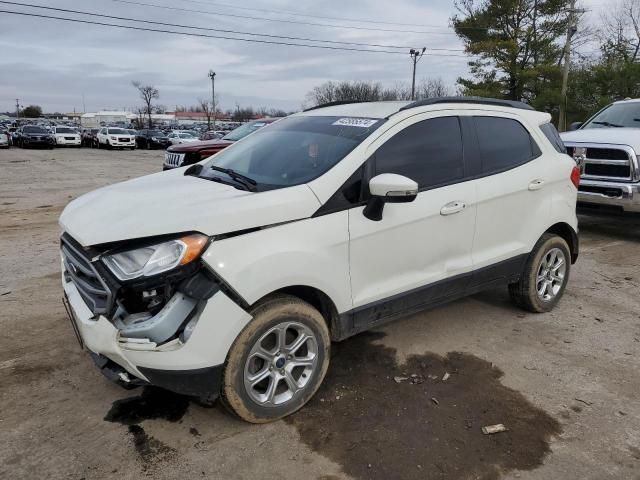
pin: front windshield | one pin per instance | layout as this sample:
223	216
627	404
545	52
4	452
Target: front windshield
65	130
185	135
617	115
35	130
292	151
156	133
243	131
117	131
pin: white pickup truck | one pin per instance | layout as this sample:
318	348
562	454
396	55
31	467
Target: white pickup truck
606	147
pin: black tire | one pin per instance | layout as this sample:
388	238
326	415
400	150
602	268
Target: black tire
266	316
524	293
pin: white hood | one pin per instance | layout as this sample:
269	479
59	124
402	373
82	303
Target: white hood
168	202
616	136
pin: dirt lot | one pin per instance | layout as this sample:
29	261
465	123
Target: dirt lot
565	384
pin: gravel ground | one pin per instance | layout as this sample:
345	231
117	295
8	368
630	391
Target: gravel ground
565	384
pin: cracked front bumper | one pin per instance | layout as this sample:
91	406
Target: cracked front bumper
192	368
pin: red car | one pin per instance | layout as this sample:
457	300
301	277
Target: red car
190	153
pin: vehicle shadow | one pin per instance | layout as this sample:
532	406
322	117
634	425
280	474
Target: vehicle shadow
617	225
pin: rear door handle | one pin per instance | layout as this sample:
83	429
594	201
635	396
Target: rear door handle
536	184
452	207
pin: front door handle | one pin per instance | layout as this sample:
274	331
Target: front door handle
452	207
536	184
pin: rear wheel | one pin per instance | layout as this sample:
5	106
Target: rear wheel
277	362
545	275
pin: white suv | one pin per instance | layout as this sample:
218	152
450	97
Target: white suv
232	276
67	136
111	137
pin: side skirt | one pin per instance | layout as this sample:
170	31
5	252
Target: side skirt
383	311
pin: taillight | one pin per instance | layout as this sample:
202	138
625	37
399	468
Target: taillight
575	176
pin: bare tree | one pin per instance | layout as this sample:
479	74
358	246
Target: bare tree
359	91
205	106
148	93
432	88
620	31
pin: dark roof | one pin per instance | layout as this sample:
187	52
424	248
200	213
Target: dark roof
477	100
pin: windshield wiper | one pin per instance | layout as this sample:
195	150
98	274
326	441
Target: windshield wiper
608	124
248	182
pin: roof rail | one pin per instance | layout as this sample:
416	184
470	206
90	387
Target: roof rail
477	100
333	104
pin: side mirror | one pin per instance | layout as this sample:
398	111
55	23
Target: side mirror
575	126
388	188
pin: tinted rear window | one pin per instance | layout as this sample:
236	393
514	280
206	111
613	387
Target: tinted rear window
504	144
553	136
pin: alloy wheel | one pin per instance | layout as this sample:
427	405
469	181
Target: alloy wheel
281	364
551	274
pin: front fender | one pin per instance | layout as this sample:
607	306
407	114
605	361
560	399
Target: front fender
313	252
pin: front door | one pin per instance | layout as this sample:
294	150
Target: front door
411	255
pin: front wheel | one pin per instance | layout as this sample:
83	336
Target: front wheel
277	362
545	275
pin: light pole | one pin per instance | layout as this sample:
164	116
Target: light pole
416	55
212	76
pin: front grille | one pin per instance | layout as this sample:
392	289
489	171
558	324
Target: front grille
124	140
173	159
606	163
604	170
607	154
79	269
69	138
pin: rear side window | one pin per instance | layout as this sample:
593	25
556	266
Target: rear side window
554	137
428	152
504	144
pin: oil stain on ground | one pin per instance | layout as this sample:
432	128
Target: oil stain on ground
153	403
378	419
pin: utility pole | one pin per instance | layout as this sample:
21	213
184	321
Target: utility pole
572	28
17	108
212	76
416	55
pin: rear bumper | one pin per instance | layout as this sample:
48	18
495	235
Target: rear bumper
624	196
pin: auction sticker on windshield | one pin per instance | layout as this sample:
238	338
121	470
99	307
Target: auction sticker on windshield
355	122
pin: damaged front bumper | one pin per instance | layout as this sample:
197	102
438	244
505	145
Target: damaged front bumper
149	350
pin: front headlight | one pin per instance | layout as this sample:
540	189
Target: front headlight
154	139
154	259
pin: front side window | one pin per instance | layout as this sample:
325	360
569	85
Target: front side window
292	151
428	152
504	144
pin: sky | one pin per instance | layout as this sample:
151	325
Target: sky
69	67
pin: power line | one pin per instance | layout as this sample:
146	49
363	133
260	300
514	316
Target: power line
298	22
112	17
199	28
297	14
340	19
221	37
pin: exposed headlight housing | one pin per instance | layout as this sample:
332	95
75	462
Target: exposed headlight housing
154	259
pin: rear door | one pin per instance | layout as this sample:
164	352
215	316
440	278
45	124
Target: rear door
420	243
513	191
